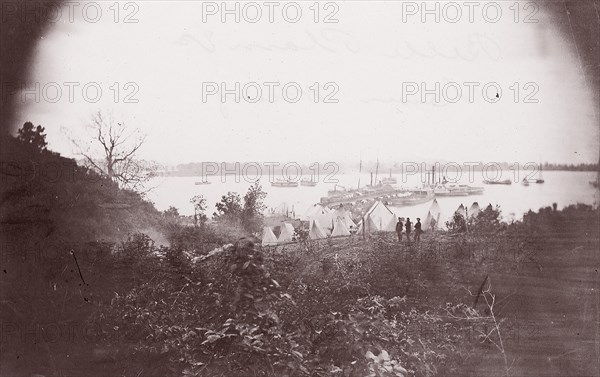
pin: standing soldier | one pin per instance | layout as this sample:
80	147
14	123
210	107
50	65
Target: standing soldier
408	228
399	229
418	230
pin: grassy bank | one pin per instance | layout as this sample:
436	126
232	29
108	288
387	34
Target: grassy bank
85	290
343	306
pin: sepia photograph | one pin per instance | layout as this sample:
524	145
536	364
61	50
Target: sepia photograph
309	188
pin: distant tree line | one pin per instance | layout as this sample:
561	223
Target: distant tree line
193	169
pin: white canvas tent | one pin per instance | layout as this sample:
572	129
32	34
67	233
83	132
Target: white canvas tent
323	215
286	234
379	218
369	226
435	209
268	238
315	210
345	216
436	214
461	211
427	222
316	232
340	228
391	226
326	221
474	210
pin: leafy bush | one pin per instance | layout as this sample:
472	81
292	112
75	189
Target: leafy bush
487	221
457	224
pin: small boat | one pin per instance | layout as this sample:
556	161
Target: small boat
473	190
284	183
450	190
525	182
198	183
540	179
389	180
410	198
504	182
309	183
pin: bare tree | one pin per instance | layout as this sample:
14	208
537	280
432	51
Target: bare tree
118	145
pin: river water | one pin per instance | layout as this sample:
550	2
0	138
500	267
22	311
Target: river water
561	187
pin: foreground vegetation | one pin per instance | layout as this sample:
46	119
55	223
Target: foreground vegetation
86	290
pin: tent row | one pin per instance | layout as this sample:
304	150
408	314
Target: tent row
433	217
286	235
472	212
341	225
325	222
327	217
379	218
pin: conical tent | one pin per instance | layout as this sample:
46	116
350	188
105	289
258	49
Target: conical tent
323	215
315	210
461	211
286	234
362	228
345	216
268	238
340	228
474	209
435	209
391	226
315	232
325	220
370	225
428	221
380	216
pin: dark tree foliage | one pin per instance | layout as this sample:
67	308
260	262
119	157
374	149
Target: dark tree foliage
457	224
199	203
253	208
33	135
249	215
229	208
486	221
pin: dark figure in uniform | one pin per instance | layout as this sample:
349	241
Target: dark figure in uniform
399	229
408	228
418	230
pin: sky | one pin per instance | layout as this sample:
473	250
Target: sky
361	80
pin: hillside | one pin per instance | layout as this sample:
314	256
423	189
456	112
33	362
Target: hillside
84	288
